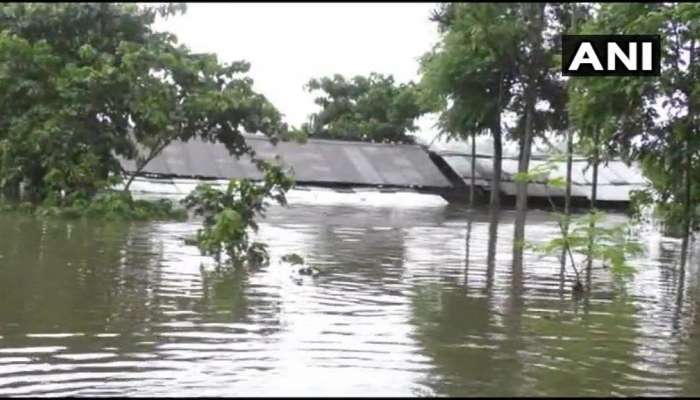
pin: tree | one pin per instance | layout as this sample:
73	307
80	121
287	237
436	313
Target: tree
51	98
469	74
493	59
539	97
176	95
570	16
372	108
82	85
652	119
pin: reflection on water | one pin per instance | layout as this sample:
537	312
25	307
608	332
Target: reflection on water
413	302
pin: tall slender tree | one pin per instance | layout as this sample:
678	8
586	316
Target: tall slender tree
571	15
469	74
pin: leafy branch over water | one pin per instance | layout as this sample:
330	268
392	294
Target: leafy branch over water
582	235
229	215
587	238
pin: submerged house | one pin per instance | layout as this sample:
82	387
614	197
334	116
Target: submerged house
616	179
334	166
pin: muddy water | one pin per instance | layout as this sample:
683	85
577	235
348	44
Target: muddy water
411	302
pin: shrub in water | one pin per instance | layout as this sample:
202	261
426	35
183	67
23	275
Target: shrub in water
229	215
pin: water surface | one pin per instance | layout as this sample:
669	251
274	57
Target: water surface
414	301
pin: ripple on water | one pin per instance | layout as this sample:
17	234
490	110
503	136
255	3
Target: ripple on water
400	310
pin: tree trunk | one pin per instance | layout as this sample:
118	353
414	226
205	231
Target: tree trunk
534	34
687	210
497	150
130	181
524	160
491	248
35	190
497	162
594	199
569	168
687	214
10	192
569	161
466	252
596	161
140	166
518	247
521	200
473	179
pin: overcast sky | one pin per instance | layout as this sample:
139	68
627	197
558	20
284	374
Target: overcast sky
287	44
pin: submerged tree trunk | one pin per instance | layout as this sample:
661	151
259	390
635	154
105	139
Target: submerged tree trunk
687	212
497	162
473	180
141	164
10	192
594	199
596	161
567	194
466	251
131	179
524	160
496	132
531	81
521	200
523	167
569	146
569	168
491	248
569	162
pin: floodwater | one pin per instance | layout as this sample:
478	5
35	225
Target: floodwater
413	301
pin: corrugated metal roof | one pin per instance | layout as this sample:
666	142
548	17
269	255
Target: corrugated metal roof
615	180
316	161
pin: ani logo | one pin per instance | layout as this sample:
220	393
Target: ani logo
611	55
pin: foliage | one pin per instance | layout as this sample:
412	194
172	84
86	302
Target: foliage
639	200
120	205
587	237
542	173
83	85
671	214
467	76
494	59
291	135
654	119
584	235
372	108
109	205
229	216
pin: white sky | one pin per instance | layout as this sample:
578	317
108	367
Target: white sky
288	44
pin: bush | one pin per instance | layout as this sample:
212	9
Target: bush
229	215
108	205
583	235
120	205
